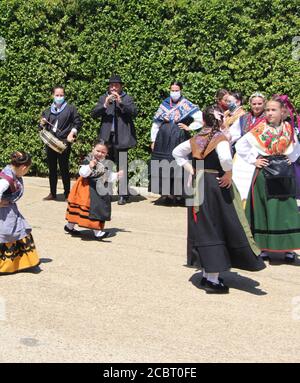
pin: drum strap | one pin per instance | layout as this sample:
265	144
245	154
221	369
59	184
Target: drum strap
10	180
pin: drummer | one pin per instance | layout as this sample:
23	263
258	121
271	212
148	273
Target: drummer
64	122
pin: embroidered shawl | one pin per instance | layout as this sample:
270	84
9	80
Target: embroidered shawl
175	113
229	118
272	140
248	121
199	142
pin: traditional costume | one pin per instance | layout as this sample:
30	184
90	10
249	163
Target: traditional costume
89	202
17	248
219	236
271	206
166	136
295	126
242	171
231	117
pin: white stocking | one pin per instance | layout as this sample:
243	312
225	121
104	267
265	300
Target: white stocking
213	277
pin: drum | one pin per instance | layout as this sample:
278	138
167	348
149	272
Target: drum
53	142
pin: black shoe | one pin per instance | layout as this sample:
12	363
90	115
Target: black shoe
264	257
216	288
122	200
204	280
169	201
290	259
71	231
180	201
105	235
50	197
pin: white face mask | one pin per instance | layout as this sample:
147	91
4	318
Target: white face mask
175	96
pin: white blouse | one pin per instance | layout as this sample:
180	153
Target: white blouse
86	171
196	124
4	185
182	151
249	153
235	131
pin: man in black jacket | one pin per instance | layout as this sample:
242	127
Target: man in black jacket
64	122
117	111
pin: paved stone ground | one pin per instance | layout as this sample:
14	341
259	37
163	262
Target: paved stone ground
131	299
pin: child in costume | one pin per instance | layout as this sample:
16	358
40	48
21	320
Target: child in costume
17	249
89	202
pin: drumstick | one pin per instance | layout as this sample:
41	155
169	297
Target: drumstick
54	126
48	122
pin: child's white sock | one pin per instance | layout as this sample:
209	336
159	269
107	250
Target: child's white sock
289	254
98	233
213	277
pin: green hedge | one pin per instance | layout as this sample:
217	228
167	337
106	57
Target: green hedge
244	45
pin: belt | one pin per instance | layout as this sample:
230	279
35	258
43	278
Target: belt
211	171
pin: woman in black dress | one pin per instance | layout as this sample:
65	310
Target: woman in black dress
172	122
219	236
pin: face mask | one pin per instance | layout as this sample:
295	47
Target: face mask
59	100
232	106
223	105
175	96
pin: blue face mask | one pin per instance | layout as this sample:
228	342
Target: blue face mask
232	106
59	100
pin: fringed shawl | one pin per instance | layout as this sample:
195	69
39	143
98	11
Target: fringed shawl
272	140
199	142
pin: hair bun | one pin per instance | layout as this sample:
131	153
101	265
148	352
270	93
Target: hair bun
20	158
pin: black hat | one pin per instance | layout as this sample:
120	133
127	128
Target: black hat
115	78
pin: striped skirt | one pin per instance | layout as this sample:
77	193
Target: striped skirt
274	222
79	206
